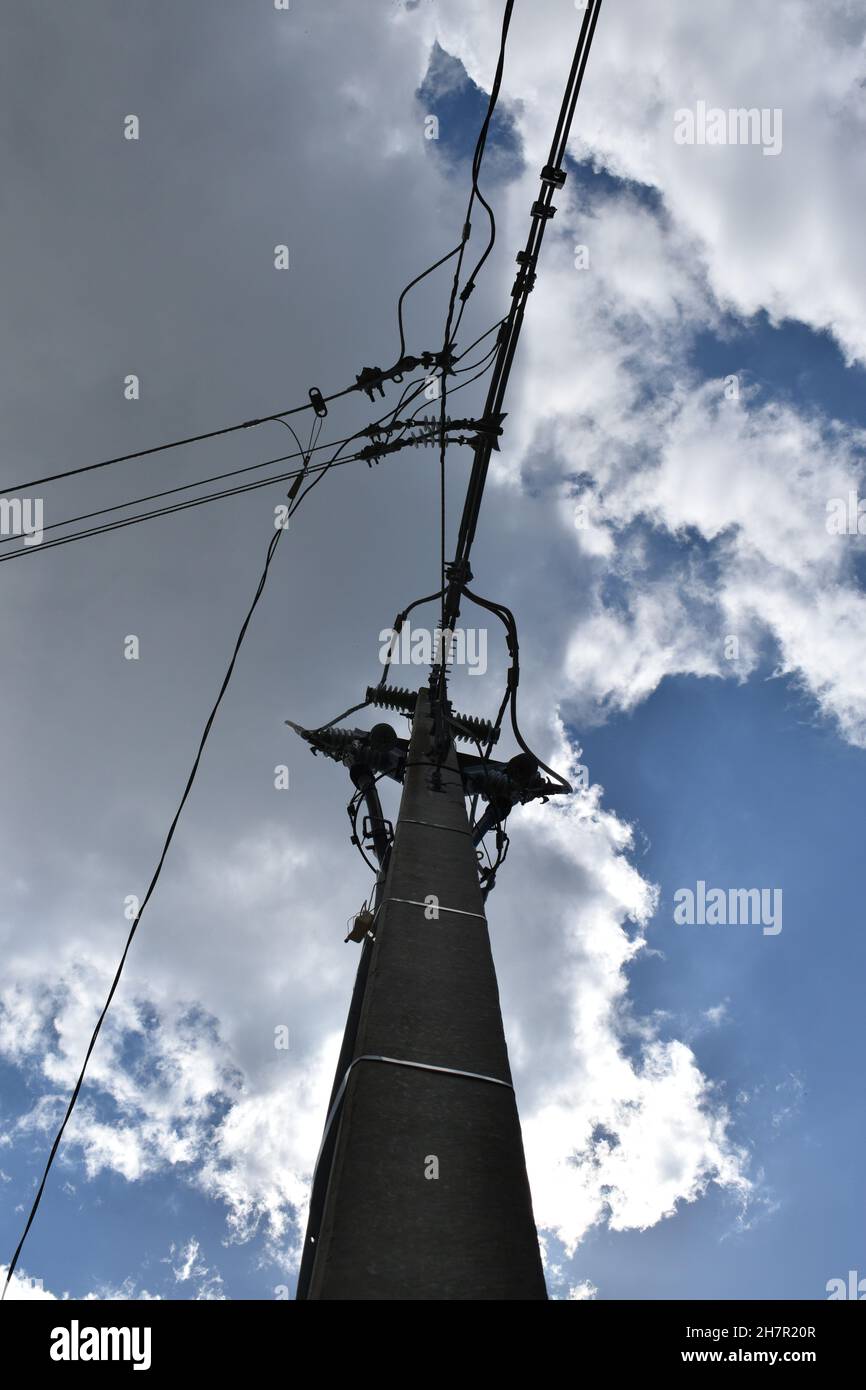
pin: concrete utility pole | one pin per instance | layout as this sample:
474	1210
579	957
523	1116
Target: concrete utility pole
421	1189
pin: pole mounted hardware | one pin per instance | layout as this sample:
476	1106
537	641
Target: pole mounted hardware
372	379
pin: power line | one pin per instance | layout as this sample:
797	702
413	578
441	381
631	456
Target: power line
413	283
470	284
476	192
317	469
271	551
552	177
477	159
296	501
184	487
174	444
167	511
479	339
368	380
235	472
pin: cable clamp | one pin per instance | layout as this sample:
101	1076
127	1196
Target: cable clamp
555	177
524	281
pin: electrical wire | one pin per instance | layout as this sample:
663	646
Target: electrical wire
449	335
479	339
499	610
176	443
120	523
476	167
396	629
551	177
185	487
411	285
506	617
250	468
271	551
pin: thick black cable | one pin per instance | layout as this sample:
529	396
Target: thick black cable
174	444
354	808
411	285
122	522
479	339
176	507
449	334
506	617
271	551
541	212
397	627
319	469
476	165
185	487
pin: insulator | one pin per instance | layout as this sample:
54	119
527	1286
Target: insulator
477	730
392	697
332	741
472	730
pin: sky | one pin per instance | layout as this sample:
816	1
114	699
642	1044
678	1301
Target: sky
686	400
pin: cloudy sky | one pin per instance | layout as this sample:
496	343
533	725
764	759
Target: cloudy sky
688	398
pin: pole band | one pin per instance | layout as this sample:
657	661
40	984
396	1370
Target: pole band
394	1062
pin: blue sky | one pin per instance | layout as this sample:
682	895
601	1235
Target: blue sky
736	785
741	784
746	774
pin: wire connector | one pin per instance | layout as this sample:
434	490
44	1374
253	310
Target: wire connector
372	379
555	177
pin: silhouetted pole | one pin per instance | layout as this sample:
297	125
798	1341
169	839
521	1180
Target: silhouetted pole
422	1187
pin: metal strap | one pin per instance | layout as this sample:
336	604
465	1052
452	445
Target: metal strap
410	902
455	829
394	1062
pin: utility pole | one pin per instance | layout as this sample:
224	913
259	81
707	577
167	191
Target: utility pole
420	1188
422	1182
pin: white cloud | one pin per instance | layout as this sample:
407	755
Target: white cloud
776	233
606	391
582	1292
248	1134
717	1014
25	1287
193	1268
620	1124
